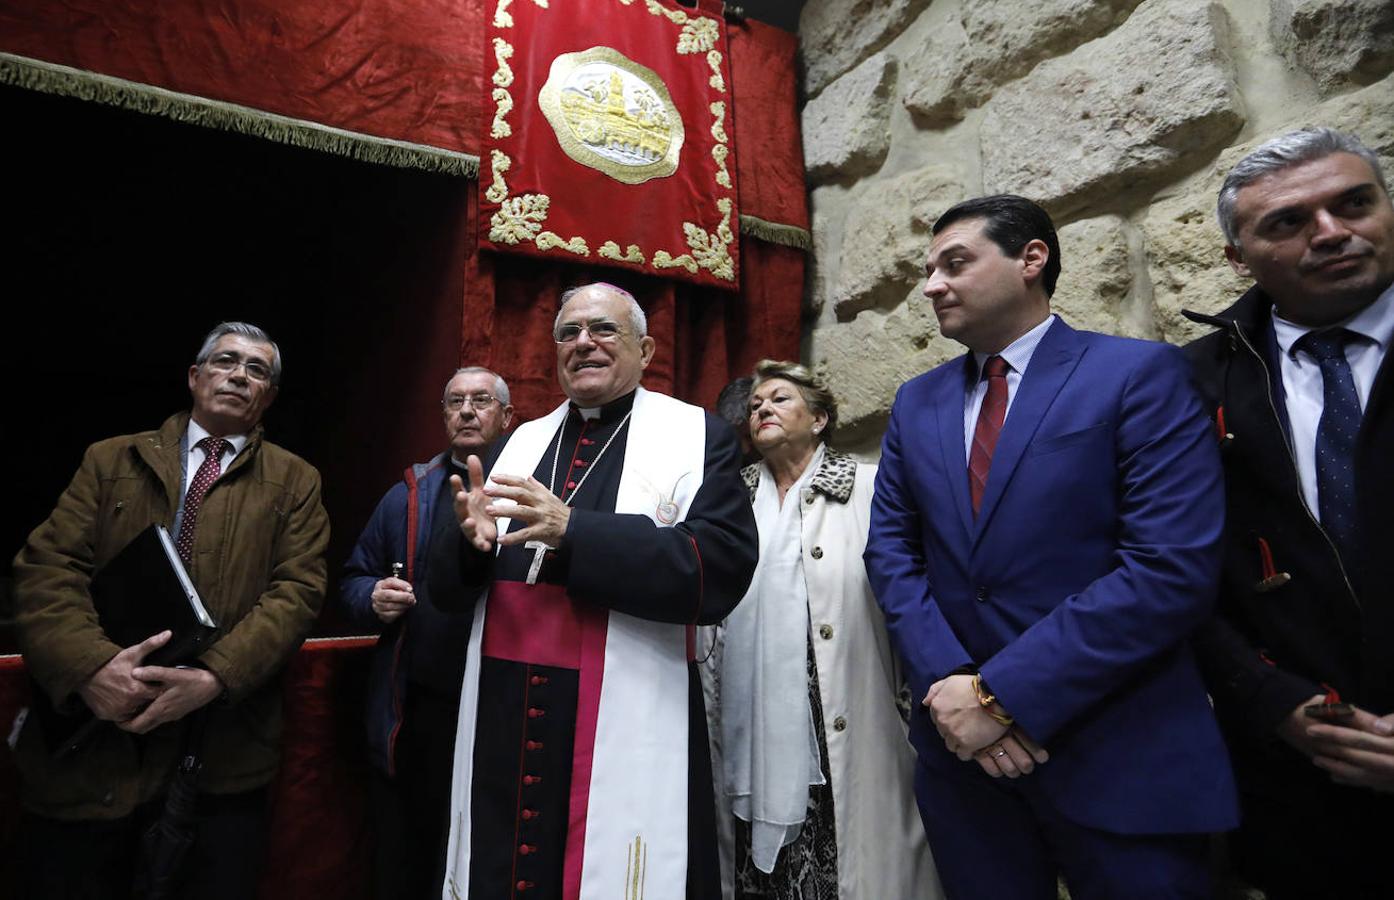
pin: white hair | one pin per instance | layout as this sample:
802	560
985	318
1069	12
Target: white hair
637	320
500	386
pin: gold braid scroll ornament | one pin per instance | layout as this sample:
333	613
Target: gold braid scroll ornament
548	240
504	101
632	253
498	191
716	81
719	150
503	51
676	16
723	177
718	127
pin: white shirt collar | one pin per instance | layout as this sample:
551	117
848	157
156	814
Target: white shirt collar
1019	352
197	433
1375	322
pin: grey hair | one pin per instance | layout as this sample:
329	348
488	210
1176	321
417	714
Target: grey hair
500	386
241	329
1282	152
637	319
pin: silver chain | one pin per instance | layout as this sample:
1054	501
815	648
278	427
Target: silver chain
556	457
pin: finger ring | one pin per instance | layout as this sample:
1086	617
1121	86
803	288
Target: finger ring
999	753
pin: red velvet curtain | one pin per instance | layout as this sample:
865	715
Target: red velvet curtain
404	69
412	70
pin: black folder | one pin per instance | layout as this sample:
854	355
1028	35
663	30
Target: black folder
140	592
144	590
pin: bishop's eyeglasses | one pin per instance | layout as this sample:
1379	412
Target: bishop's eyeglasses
602	331
480	402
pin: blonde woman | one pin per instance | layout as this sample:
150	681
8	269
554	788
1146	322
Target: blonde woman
816	765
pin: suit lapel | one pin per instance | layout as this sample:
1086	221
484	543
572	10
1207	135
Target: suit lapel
948	407
1055	358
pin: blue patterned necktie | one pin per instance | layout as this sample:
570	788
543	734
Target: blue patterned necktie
1336	433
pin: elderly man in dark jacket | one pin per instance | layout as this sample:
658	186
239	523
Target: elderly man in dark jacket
414	683
1300	659
252	532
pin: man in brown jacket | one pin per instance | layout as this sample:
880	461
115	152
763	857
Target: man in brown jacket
249	523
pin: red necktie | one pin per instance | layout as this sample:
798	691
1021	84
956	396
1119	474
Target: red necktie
208	472
990	417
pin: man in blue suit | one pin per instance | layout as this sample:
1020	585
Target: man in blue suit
1044	537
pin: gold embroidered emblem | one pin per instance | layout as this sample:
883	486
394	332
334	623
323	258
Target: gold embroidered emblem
613	115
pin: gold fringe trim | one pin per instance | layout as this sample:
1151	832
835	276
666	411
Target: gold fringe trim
51	78
776	233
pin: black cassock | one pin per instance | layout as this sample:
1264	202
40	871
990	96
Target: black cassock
527	713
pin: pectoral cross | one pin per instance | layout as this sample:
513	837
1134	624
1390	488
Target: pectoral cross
539	552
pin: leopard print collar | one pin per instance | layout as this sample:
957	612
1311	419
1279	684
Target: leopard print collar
834	478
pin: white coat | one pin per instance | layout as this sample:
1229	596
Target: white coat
882	852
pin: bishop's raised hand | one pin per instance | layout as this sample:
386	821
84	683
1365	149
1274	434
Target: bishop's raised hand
471	507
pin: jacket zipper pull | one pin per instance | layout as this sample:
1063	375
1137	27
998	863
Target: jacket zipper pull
1272	579
1225	435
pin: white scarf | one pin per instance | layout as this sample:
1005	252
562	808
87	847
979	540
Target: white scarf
635	819
769	744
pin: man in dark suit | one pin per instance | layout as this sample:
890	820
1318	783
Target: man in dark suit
1300	658
1044	538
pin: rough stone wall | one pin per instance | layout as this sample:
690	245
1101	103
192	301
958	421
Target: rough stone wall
1119	116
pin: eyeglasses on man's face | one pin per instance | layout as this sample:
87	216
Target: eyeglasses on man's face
228	362
479	402
602	331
